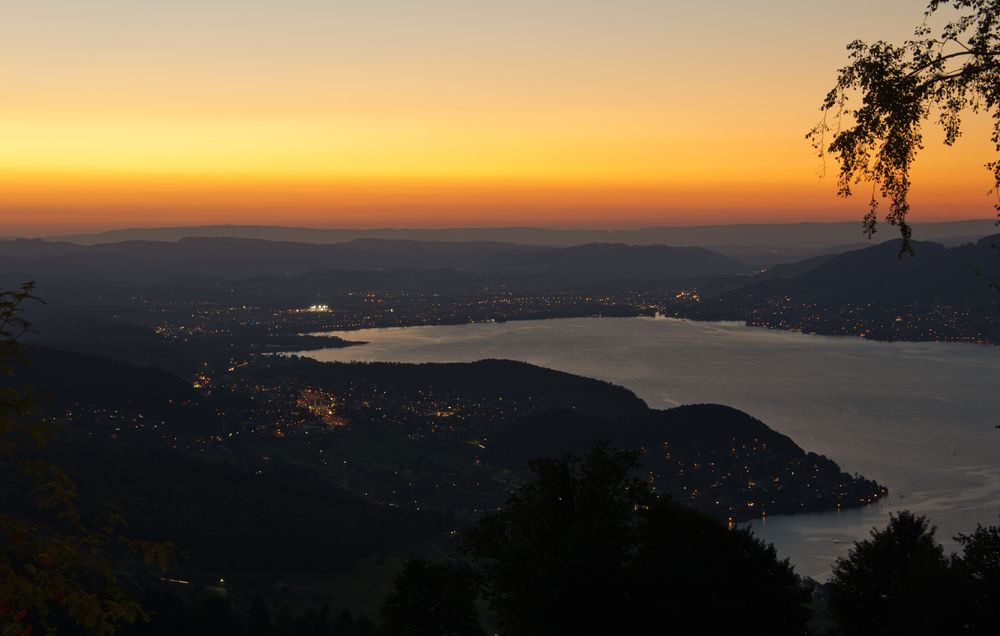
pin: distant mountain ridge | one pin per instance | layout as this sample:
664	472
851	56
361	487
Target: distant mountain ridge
614	260
149	261
813	233
757	243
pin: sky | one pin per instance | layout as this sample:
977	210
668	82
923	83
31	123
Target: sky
438	113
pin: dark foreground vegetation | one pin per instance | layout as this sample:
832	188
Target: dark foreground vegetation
899	581
588	548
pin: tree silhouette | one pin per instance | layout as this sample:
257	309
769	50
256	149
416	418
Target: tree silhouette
587	547
55	566
895	582
432	599
939	76
978	573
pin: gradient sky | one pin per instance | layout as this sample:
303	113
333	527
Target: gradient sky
437	113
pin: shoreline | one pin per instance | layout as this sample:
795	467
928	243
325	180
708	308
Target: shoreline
640	315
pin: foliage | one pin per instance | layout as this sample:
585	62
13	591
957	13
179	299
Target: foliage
895	582
944	76
899	581
205	613
55	566
587	547
978	574
432	599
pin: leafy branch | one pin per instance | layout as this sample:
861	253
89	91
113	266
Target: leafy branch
898	88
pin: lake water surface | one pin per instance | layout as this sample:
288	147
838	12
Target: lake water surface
918	417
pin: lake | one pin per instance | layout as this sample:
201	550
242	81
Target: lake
918	417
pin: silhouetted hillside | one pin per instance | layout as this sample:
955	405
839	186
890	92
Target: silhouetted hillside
229	515
713	457
514	381
938	294
557	433
608	261
64	378
292	465
878	275
792	270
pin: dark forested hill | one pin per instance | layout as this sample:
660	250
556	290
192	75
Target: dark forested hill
138	438
792	270
879	275
286	465
507	379
605	261
507	413
557	433
713	457
938	293
64	378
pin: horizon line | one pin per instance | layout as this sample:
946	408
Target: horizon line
164	228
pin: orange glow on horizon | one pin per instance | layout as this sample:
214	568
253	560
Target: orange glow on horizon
463	114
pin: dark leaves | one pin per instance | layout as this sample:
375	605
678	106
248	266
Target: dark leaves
901	87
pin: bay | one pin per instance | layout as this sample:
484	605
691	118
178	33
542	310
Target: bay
918	417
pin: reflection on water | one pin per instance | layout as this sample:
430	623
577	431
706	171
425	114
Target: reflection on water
917	417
